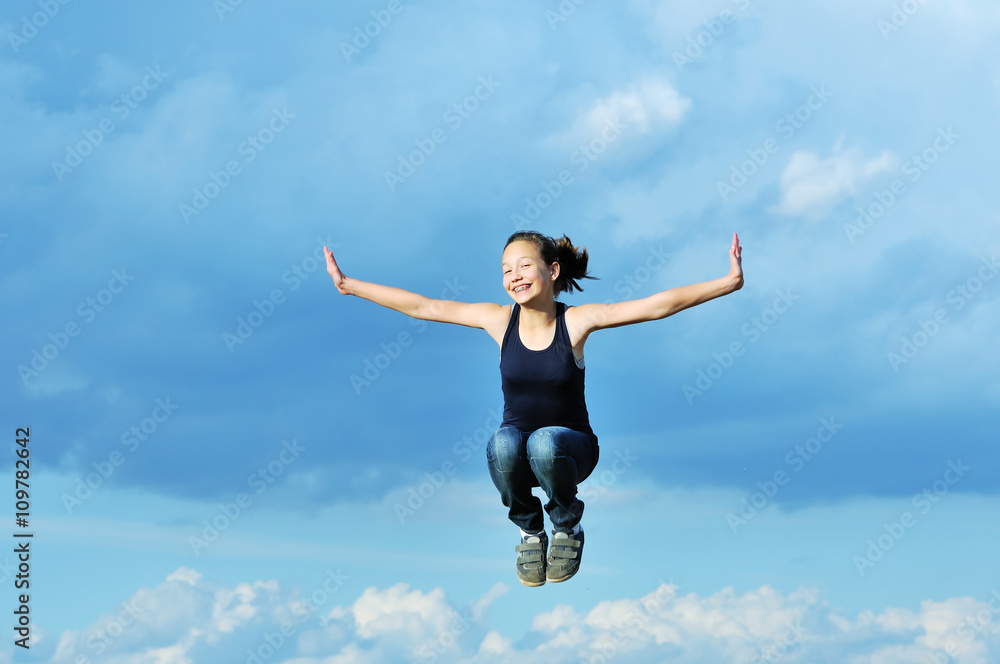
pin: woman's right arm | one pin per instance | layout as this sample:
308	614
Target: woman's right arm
483	315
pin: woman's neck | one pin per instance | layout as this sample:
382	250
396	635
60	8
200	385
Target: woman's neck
538	319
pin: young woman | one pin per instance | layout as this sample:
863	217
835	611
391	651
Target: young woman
545	439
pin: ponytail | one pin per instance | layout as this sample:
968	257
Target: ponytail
572	261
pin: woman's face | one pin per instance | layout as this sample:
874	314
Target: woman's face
525	275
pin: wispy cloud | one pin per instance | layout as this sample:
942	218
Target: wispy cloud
811	185
648	106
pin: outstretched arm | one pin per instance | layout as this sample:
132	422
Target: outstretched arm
394	298
665	303
482	315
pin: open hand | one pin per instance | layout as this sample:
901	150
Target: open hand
339	280
736	262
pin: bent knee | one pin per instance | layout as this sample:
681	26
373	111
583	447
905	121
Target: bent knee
503	450
543	445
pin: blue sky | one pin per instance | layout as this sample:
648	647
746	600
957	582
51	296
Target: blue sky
223	447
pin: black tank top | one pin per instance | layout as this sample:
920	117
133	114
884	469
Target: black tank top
542	387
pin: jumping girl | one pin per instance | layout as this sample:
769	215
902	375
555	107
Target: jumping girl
545	439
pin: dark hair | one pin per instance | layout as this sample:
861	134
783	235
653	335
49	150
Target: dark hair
572	261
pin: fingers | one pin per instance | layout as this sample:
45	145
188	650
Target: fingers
331	265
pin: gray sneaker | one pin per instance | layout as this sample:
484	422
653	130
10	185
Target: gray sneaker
564	556
531	559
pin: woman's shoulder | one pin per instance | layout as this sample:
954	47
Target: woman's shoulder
569	310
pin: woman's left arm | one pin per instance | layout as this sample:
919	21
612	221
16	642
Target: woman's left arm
665	303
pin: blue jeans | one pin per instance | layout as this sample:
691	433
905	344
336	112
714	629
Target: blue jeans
554	458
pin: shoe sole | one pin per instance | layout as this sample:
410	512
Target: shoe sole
531	584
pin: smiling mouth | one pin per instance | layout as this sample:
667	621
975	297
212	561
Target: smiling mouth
521	289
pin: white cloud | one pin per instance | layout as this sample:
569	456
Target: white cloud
811	186
399	611
233	607
650	105
186	575
495	643
188	619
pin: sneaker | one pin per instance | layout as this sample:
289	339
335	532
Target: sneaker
564	556
531	559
